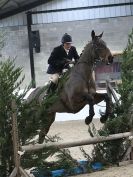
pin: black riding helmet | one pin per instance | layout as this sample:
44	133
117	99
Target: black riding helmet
66	38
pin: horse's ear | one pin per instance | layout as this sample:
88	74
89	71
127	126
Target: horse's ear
100	35
93	34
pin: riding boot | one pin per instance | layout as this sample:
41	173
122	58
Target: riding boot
51	88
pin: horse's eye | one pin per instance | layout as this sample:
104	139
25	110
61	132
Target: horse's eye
102	47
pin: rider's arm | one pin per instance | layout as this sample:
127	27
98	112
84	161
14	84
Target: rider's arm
52	58
55	59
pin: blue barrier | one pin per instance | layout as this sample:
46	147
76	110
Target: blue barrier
80	169
97	166
58	173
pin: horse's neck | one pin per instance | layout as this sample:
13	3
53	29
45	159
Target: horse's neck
87	55
86	62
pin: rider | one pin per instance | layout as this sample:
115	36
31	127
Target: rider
60	59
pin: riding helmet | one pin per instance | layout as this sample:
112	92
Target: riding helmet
66	38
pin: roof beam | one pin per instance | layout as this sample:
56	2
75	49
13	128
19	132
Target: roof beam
30	4
23	7
3	3
16	3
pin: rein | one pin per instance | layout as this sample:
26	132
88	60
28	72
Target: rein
83	62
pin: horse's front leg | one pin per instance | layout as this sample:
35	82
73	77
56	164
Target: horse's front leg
90	100
100	97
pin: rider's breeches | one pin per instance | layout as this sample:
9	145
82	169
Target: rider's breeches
54	78
93	75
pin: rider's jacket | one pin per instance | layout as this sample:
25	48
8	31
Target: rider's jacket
57	59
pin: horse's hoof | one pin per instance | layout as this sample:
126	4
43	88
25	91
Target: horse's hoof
88	120
41	138
103	119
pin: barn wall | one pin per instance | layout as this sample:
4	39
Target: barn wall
116	32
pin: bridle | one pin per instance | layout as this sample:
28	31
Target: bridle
96	49
96	55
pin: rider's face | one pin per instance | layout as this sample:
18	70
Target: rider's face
67	46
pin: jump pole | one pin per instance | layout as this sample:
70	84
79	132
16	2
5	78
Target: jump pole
116	53
88	141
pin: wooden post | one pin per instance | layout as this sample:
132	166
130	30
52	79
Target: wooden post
23	172
112	92
18	171
15	137
14	172
131	154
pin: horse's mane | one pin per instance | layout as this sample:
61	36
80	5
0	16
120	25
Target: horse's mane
84	48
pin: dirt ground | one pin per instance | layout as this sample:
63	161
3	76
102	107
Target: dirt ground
77	130
74	130
123	171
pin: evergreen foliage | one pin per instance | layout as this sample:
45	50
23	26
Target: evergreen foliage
30	118
34	116
8	84
122	120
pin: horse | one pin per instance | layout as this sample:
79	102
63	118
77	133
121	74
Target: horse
80	89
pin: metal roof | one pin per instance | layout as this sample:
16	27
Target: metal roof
12	7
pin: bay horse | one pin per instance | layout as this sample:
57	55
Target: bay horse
80	90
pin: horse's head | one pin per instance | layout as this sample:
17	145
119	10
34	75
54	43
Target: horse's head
102	52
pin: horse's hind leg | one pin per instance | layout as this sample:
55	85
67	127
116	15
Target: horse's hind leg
57	107
90	100
98	97
46	126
